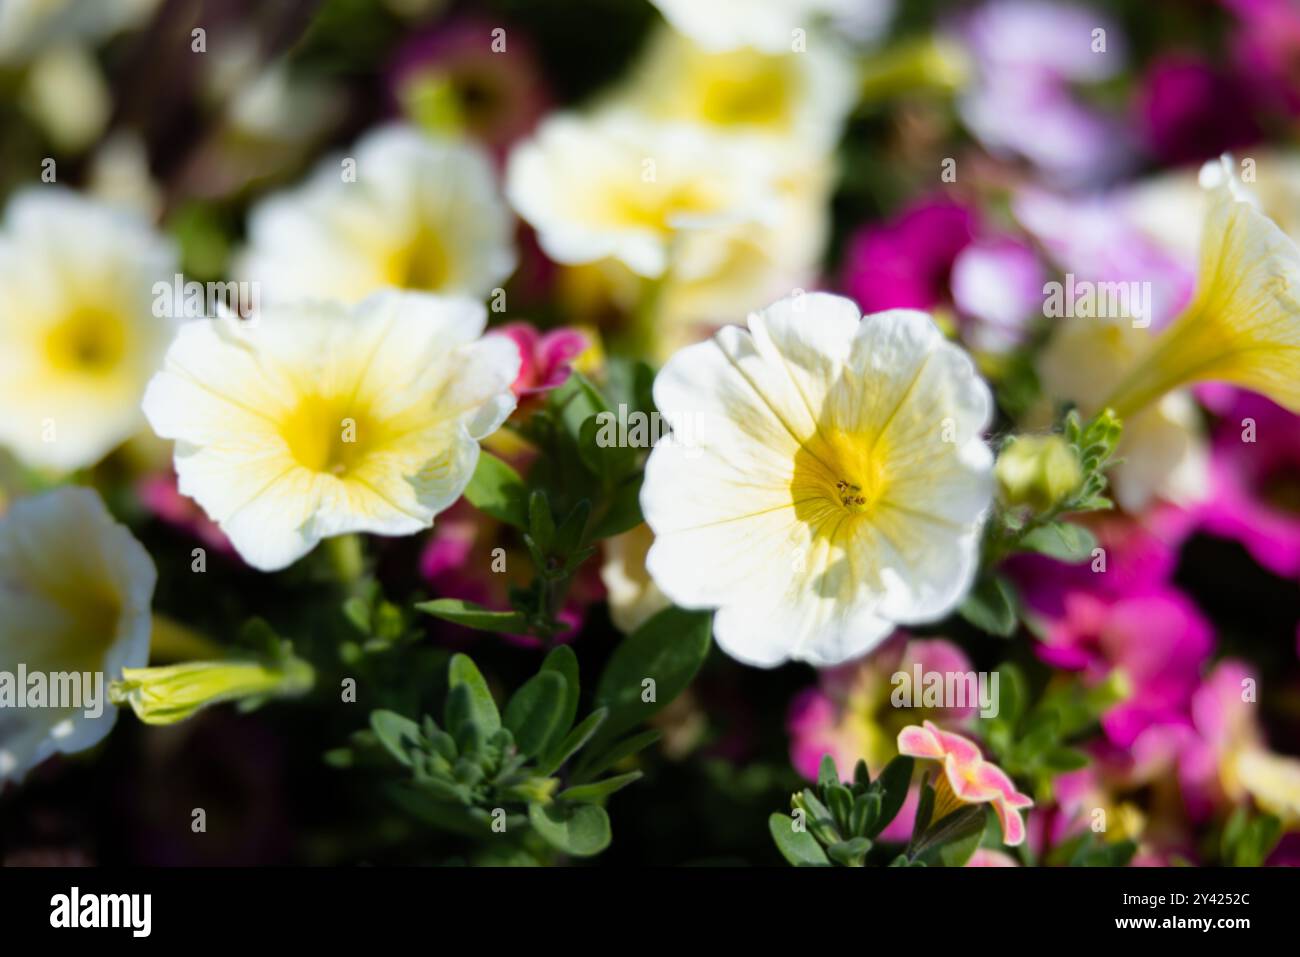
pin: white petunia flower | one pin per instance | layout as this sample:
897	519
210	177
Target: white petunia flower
806	96
319	420
826	479
419	214
78	334
769	25
75	588
619	186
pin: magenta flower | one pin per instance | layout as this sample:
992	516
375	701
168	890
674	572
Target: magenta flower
1255	481
1194	111
905	262
967	778
932	254
1159	640
1266	48
546	357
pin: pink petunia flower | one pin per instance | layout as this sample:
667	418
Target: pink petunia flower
546	357
967	778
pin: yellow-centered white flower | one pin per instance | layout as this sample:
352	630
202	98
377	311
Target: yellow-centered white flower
805	96
401	211
78	334
826	479
619	186
318	420
77	588
772	25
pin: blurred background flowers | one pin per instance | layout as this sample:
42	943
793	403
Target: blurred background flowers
613	180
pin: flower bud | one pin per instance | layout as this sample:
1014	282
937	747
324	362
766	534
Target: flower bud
166	695
1039	471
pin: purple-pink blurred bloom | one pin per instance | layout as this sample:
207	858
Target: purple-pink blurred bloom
1266	49
935	253
497	97
1193	110
1255	479
1029	56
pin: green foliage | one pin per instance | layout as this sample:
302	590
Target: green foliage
484	774
1248	839
838	824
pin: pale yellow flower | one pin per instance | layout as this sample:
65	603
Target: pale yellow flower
318	420
77	588
172	693
633	596
826	479
805	96
79	336
400	211
770	25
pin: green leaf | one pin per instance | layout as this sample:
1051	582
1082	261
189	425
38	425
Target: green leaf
866	811
827	774
608	460
893	785
562	661
1063	541
536	710
991	606
541	523
849	853
599	790
618	752
581	830
573	741
623	511
481	709
474	616
497	490
668	650
395	733
1061	760
572	531
798	847
961	848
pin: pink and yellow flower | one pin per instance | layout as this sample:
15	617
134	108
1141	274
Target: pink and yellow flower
967	778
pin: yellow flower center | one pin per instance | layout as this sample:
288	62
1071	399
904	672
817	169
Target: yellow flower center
744	89
327	434
88	341
422	263
837	475
654	206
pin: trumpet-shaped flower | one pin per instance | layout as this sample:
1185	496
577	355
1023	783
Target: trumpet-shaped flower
770	25
1243	325
620	186
318	420
79	337
826	479
77	588
402	211
967	778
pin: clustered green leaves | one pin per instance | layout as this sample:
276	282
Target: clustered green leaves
532	774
